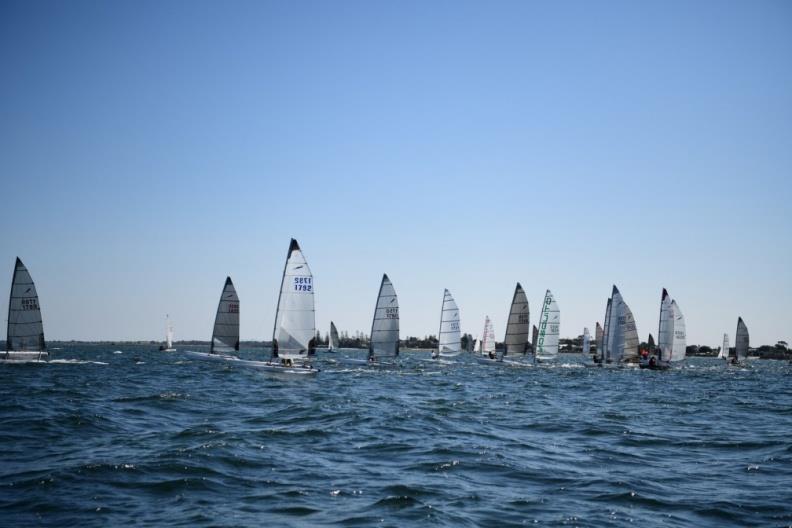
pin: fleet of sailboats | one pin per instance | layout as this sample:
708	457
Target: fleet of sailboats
294	331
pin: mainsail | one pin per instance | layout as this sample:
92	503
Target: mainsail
629	334
516	341
665	332
598	337
168	333
488	340
25	329
333	339
741	341
294	333
621	334
679	340
449	337
385	326
549	322
586	341
724	351
534	338
477	346
605	353
225	335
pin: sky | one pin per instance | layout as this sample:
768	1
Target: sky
149	149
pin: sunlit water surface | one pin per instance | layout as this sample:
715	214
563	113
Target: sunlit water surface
154	438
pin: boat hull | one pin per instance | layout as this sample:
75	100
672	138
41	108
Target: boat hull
206	356
13	356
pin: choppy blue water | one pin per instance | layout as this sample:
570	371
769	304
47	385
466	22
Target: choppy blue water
154	438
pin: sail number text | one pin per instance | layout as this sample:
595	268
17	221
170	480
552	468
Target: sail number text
303	284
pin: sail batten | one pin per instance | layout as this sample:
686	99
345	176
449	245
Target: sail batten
225	335
385	325
518	324
294	333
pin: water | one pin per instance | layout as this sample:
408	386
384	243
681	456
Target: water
154	438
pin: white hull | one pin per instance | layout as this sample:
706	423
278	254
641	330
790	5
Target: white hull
167	350
259	365
23	356
488	361
206	356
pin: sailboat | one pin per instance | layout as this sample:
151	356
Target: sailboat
487	353
549	322
724	351
384	343
741	342
168	346
25	334
586	341
515	343
620	335
597	356
477	346
534	339
332	342
449	344
671	336
225	334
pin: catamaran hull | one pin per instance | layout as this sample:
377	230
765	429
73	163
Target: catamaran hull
23	357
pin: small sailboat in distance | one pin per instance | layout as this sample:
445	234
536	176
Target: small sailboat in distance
332	340
724	351
487	354
25	331
515	343
671	336
597	356
449	343
620	334
586	341
168	346
549	323
741	343
225	334
384	342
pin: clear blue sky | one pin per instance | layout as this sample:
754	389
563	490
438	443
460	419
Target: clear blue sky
149	149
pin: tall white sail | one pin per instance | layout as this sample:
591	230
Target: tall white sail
586	341
665	332
488	340
518	325
225	335
294	333
724	351
741	341
549	323
25	328
333	339
449	336
621	333
168	333
385	326
609	329
679	341
629	338
477	346
598	337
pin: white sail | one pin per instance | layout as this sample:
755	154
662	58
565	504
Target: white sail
518	325
477	346
724	351
598	338
629	338
333	339
25	332
449	336
294	333
549	323
488	339
665	332
168	333
225	335
385	326
679	341
586	341
741	341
